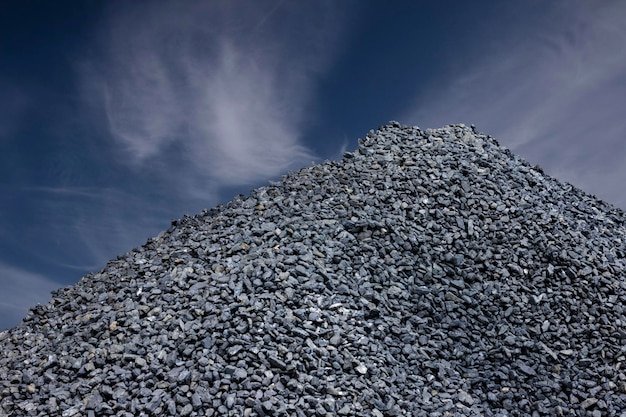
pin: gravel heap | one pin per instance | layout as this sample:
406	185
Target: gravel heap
429	273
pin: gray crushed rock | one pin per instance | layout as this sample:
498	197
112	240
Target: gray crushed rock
429	273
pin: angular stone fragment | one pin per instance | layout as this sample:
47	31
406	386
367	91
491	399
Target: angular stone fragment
588	402
362	369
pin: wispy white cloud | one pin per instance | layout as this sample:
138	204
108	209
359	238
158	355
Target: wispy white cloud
217	91
552	88
21	290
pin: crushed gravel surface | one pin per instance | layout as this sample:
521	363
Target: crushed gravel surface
429	273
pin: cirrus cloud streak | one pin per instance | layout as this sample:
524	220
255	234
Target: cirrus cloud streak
214	92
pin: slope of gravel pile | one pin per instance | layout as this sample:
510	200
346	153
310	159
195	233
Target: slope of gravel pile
429	273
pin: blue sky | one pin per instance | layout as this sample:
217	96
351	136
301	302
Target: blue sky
117	117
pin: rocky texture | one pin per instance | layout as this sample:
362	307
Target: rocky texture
429	273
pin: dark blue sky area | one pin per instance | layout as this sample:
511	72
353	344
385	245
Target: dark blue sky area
117	117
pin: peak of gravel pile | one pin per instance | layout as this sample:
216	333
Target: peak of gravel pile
429	273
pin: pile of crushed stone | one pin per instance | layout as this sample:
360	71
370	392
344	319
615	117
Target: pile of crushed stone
429	273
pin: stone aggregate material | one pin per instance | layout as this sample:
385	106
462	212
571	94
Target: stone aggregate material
428	273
